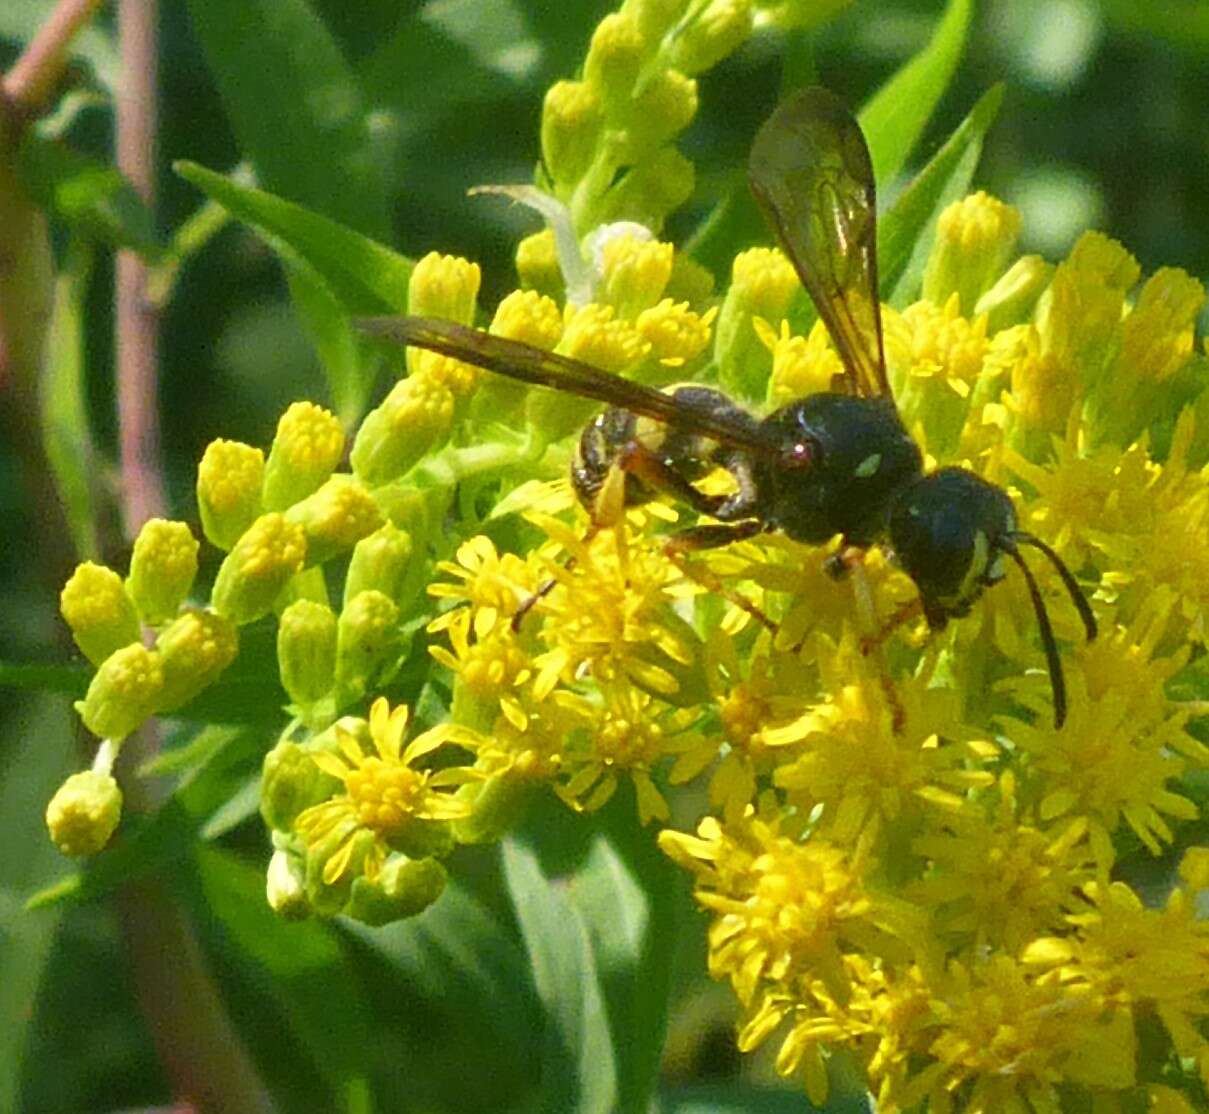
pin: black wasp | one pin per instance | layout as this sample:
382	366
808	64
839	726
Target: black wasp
836	462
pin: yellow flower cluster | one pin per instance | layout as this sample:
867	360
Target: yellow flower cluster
905	858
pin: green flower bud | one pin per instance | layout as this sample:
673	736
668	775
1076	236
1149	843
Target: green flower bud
763	284
285	886
975	238
380	562
690	282
423	839
655	17
444	286
289	783
83	814
660	112
499	802
403	888
335	518
1012	299
413	419
229	481
328	898
798	15
571	122
635	271
306	651
365	640
720	29
125	691
650	190
305	452
162	568
256	570
614	58
100	613
194	650
537	264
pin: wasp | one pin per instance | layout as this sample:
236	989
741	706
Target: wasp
837	462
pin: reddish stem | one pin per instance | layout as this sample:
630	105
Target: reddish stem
28	84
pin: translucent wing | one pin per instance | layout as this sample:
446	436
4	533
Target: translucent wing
811	173
534	365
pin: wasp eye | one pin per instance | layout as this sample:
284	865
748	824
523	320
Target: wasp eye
802	454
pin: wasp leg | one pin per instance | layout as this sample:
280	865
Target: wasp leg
710	537
868	615
655	472
904	614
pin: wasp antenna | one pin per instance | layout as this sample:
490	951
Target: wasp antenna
1056	678
1076	593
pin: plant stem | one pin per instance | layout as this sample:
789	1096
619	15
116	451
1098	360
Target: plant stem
29	83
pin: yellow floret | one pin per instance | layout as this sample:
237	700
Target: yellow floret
162	568
101	615
444	286
306	450
229	481
83	814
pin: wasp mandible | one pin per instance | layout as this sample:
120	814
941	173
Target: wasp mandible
837	462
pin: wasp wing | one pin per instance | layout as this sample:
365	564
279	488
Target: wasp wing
540	368
811	172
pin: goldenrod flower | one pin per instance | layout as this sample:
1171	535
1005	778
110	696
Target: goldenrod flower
260	564
84	812
305	452
101	614
162	568
230	478
444	286
383	792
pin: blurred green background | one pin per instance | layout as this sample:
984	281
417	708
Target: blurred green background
1103	126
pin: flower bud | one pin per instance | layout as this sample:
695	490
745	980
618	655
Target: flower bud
655	17
285	887
571	120
497	804
675	333
83	814
335	518
403	888
229	481
1012	299
101	615
256	570
124	692
328	897
305	452
650	190
413	419
366	639
194	650
537	264
717	31
162	568
614	58
663	108
306	651
690	282
444	286
763	284
289	783
380	562
635	273
975	238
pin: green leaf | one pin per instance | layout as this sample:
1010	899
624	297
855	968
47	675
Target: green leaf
40	757
466	978
895	116
578	1067
296	991
149	844
295	106
746	1098
906	231
91	197
71	680
365	275
66	436
632	905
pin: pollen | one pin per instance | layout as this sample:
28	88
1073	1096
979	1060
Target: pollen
383	795
675	333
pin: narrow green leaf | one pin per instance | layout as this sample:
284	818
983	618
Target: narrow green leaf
466	978
66	435
578	1067
40	757
295	106
906	231
366	276
895	116
72	680
298	994
150	843
91	197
